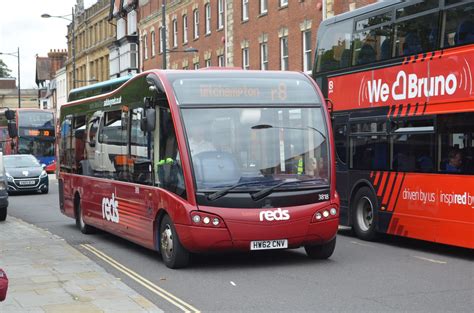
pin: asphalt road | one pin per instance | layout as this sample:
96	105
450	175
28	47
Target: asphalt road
391	275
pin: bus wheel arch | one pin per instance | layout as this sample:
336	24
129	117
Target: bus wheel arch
364	211
173	253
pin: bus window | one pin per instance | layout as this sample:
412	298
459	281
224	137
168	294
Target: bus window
139	165
65	144
413	145
373	45
334	48
459	25
417	35
78	143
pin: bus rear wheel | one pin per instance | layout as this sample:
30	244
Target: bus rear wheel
83	227
364	214
172	251
323	251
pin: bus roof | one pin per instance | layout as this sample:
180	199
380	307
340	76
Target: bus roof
115	82
361	11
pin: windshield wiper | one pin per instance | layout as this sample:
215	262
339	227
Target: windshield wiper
223	192
265	192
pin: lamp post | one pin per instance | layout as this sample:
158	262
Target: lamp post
73	40
17	55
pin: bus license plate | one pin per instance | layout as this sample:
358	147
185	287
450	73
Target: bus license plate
27	182
269	244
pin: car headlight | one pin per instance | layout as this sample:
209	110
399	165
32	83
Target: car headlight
43	174
2	185
9	177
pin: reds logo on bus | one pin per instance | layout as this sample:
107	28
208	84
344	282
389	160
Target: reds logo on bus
110	209
430	78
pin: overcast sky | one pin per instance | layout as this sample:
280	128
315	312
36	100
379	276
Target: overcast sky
21	26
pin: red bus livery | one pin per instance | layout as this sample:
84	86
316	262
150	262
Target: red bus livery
400	77
196	161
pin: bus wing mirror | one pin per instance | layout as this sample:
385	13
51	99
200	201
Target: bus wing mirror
330	105
148	122
10	115
12	130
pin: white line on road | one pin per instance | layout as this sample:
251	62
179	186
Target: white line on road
429	260
232	283
361	244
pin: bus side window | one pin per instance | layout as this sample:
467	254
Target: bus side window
65	143
78	143
459	29
141	144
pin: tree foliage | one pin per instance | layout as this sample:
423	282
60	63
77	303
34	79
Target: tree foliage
4	70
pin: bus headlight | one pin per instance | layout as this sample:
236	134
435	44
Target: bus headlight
43	174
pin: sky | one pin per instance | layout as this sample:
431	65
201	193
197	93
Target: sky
21	25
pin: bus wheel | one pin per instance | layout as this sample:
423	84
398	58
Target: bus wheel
323	251
83	227
3	214
364	214
173	253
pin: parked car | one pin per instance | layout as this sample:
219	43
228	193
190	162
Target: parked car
25	173
3	191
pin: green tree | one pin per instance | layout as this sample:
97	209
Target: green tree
4	70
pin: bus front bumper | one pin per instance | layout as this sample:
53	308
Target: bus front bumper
210	239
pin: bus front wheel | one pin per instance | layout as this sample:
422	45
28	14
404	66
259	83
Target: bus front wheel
172	251
323	251
364	214
3	214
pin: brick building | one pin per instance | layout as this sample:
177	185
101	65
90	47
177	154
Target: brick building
257	34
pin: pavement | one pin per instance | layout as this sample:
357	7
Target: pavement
46	274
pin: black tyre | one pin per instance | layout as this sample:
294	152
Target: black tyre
364	214
45	191
173	253
3	214
323	251
83	227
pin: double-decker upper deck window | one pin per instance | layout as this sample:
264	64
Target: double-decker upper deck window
334	47
459	28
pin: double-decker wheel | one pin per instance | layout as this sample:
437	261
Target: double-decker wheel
172	251
323	251
364	214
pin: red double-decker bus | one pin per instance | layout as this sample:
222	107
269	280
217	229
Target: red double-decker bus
196	161
400	77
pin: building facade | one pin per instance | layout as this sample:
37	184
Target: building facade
9	95
254	35
93	34
123	57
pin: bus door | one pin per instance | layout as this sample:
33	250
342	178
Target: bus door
340	127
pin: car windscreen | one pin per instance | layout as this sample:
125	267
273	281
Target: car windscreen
20	161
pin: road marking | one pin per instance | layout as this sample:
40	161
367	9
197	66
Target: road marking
232	283
185	307
361	244
429	260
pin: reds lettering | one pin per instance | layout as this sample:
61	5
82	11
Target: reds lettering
411	86
110	209
276	215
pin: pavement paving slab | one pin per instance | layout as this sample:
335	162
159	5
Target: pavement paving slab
47	275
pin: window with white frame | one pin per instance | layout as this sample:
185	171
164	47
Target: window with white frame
264	56
196	66
160	35
208	63
307	61
263	6
145	47
152	34
283	3
196	23
245	58
175	33
245	10
284	53
207	13
132	22
220	60
185	29
220	14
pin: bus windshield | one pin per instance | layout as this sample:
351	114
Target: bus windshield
269	145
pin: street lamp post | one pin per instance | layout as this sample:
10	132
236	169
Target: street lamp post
17	55
73	40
